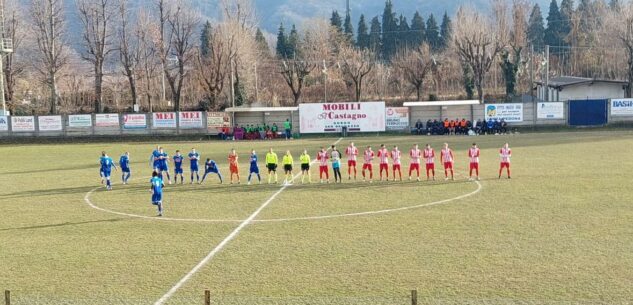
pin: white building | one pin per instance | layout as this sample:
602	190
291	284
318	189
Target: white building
565	88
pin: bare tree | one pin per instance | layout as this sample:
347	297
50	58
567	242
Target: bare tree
14	65
213	65
356	65
148	59
295	73
619	24
416	66
478	39
129	36
97	18
48	21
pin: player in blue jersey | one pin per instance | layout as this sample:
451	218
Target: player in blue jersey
124	163
106	168
194	157
254	168
154	159
178	158
211	167
163	165
157	192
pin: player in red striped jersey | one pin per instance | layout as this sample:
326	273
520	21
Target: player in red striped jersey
383	156
414	164
396	155
505	153
322	157
448	159
429	159
473	155
367	165
352	153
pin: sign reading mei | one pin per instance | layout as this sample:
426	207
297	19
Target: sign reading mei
357	117
190	119
22	123
107	120
50	123
134	121
397	118
622	107
164	120
507	112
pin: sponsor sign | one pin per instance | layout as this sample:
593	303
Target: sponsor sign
508	112
134	121
80	120
331	117
217	120
4	123
22	123
397	118
550	111
622	107
164	120
190	119
50	123
107	120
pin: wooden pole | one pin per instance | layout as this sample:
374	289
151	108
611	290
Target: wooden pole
7	297
414	297
207	297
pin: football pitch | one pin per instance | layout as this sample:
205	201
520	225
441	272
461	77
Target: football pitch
559	232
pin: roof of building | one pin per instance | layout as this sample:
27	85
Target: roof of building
441	103
262	109
565	81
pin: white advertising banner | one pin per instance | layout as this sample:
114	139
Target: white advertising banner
50	123
218	120
331	117
4	123
107	120
397	118
507	112
190	119
164	120
80	120
622	107
550	111
134	121
22	123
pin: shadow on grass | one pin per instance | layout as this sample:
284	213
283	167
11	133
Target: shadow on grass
49	192
63	224
51	170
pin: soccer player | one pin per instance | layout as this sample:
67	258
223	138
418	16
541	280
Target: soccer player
351	152
396	154
448	159
383	156
414	155
429	158
254	168
505	153
473	155
287	162
124	163
154	159
271	163
157	192
336	164
106	168
211	167
163	164
305	166
369	158
322	158
178	158
233	166
194	157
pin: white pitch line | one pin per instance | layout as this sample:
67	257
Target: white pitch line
222	244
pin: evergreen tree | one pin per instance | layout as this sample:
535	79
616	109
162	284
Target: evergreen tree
432	33
585	15
418	30
282	42
362	39
389	31
349	29
292	47
336	21
404	34
445	31
566	15
240	92
375	38
262	44
205	39
553	31
536	29
469	81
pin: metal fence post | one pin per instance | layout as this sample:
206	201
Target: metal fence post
7	297
414	297
207	297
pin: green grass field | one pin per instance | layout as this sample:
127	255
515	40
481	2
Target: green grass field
559	232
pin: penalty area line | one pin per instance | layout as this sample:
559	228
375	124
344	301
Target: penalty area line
223	243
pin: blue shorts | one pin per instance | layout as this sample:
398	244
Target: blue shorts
163	167
194	168
254	170
157	198
125	169
214	171
178	170
156	165
106	173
